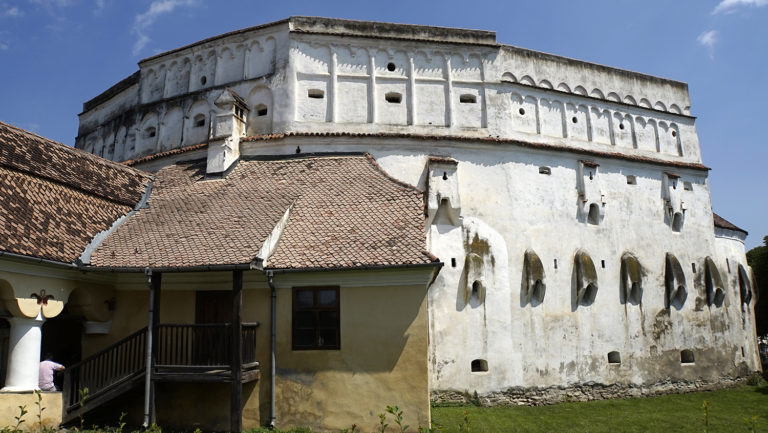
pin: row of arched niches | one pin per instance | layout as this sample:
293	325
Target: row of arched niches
633	279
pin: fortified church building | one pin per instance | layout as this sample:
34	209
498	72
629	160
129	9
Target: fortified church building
316	218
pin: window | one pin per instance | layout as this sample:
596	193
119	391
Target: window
199	120
316	318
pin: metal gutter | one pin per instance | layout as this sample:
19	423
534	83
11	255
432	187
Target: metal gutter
273	350
359	268
39	260
199	268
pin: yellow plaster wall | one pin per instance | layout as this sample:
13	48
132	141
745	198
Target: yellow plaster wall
9	408
130	315
382	361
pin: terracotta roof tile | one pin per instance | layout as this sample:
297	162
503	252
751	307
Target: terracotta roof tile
55	198
346	213
27	152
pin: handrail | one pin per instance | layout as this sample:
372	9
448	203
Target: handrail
188	347
105	368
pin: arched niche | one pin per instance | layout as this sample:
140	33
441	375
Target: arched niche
675	292
120	150
260	58
745	285
631	272
534	287
714	283
172	125
585	279
261	106
146	136
195	131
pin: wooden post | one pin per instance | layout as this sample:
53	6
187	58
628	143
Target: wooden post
236	360
154	318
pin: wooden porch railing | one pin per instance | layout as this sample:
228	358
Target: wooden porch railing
182	348
106	368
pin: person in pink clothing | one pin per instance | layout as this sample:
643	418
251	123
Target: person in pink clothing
47	367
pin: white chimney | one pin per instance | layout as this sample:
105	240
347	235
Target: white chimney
226	129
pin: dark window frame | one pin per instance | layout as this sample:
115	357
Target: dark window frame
316	308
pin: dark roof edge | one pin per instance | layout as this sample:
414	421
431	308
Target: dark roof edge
36	259
356	268
244	266
723	223
111	92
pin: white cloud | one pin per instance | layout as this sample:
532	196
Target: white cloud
708	41
144	20
13	12
730	6
3	46
100	5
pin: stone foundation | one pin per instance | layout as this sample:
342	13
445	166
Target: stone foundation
520	396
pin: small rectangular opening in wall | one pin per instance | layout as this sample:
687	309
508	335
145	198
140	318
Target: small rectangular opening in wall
315	93
614	357
479	366
693	267
545	170
686	356
393	97
602	263
631	180
555	263
453	262
687	186
728	265
467	99
742	352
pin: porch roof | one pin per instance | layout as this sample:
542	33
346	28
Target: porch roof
344	213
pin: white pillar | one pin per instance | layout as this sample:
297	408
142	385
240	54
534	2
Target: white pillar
24	354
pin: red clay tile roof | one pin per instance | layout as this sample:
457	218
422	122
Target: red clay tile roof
55	198
725	224
30	153
346	213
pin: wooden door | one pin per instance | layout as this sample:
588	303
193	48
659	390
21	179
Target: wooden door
212	343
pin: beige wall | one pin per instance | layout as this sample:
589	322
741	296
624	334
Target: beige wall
9	408
382	361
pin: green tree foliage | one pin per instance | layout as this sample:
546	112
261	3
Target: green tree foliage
758	259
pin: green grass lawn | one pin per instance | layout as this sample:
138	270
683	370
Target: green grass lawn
729	411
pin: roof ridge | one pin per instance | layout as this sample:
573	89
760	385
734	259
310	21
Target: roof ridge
67	148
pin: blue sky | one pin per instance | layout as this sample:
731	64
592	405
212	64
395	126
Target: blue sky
56	54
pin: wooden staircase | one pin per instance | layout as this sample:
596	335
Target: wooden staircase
182	353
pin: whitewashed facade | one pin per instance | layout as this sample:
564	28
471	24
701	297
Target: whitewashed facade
567	200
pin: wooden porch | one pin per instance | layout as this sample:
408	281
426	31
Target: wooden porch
181	353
